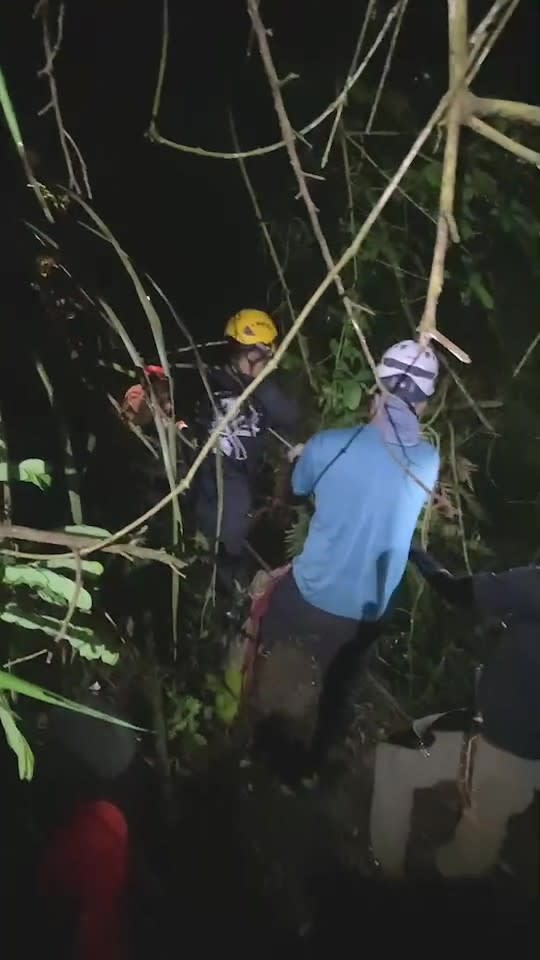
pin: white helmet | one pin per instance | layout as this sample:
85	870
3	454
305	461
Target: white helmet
408	361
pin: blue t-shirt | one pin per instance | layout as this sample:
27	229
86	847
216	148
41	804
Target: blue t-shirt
366	510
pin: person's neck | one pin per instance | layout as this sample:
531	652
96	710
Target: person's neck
397	421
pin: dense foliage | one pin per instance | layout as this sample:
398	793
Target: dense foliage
93	617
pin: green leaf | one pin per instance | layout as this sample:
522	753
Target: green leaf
352	394
95	651
483	183
80	638
92	567
478	288
49	586
226	707
14	684
29	471
466	230
16	741
81	530
29	620
233	681
433	172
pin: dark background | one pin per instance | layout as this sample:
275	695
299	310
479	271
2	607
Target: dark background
185	219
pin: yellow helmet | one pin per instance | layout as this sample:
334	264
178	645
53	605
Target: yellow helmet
250	327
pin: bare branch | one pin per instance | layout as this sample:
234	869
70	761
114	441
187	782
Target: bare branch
51	51
370	9
368	14
272	251
79	544
507	109
446	226
162	63
288	137
490	133
156	137
387	64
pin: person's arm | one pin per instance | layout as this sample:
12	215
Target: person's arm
458	591
304	473
281	409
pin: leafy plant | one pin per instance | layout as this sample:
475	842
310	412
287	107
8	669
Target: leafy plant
16	740
494	267
38	598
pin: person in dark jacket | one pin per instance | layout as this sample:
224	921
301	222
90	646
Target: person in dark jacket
507	765
251	335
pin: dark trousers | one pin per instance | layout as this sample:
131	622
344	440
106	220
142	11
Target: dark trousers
306	680
235	520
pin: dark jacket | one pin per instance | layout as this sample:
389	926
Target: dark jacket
241	440
509	689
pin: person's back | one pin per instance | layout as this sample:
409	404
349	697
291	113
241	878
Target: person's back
368	494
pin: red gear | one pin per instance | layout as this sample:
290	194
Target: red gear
155	371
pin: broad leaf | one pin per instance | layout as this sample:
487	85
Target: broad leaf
16	741
478	288
14	684
352	394
49	586
80	638
92	567
29	471
82	530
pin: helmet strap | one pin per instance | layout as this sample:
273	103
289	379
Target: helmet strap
383	398
261	350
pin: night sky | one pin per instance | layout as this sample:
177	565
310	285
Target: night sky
185	219
188	220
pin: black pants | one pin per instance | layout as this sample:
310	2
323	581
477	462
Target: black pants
309	669
235	520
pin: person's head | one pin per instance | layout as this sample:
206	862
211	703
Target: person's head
136	406
409	372
252	335
84	758
160	387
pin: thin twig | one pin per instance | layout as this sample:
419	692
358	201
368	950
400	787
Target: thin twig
470	401
79	544
64	626
461	524
29	656
162	61
356	56
481	43
272	251
530	349
51	51
350	195
507	143
383	173
82	164
16	135
288	136
156	137
387	63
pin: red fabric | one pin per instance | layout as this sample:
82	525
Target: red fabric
258	610
260	605
134	398
155	371
87	860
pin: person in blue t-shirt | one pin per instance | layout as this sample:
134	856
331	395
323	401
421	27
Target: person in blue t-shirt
370	484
